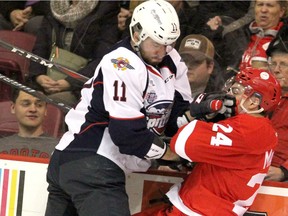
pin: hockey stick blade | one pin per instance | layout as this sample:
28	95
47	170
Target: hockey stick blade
42	61
33	92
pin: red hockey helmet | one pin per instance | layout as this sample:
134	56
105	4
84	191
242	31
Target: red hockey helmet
262	84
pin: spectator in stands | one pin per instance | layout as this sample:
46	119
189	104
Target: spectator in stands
86	28
124	15
246	46
22	15
197	51
268	21
208	10
30	140
242	17
278	63
231	16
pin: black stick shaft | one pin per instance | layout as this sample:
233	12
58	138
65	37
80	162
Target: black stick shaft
33	92
43	61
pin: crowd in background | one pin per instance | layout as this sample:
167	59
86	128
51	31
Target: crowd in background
236	34
150	100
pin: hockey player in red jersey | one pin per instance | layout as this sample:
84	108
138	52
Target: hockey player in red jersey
232	155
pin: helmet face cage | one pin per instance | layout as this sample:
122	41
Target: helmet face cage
227	85
156	19
262	84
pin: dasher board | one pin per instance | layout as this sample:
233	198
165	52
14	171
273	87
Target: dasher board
23	189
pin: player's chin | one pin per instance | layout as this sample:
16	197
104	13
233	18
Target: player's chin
155	61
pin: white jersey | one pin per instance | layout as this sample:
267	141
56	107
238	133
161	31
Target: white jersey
124	105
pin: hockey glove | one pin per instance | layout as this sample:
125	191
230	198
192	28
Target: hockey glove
176	165
229	106
205	104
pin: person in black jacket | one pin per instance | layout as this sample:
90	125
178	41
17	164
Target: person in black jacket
86	28
22	15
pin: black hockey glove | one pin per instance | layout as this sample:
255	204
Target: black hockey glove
205	104
180	165
229	108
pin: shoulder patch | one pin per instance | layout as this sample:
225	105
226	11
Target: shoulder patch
121	64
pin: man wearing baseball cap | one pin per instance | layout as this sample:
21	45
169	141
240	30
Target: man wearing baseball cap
197	51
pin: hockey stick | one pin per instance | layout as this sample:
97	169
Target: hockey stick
33	92
43	61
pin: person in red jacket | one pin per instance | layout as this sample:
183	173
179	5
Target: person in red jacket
268	21
278	63
232	155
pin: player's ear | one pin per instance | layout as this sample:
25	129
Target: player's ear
136	36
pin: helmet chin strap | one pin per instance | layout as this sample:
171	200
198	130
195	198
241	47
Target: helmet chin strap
137	50
135	39
244	110
136	46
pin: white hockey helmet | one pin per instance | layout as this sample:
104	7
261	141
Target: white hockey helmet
156	19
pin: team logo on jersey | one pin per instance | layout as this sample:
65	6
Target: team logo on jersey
151	97
121	64
157	115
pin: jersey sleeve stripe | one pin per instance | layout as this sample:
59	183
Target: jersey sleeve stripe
182	138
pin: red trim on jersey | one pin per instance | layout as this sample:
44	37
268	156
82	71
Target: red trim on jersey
150	69
97	83
91	125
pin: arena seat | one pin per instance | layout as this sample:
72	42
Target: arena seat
13	65
19	39
11	69
53	123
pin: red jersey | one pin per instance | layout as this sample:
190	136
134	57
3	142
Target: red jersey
233	157
280	122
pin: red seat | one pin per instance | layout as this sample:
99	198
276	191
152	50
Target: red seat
53	123
22	40
11	69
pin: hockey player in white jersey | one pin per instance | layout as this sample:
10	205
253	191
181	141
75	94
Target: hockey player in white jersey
137	92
